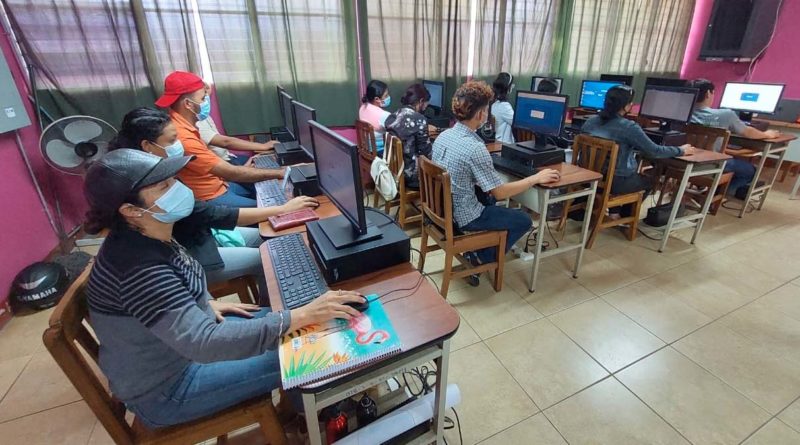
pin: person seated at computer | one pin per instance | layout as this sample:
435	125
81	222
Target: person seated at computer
372	109
170	352
547	85
152	131
221	144
502	111
408	124
463	154
211	178
611	124
703	114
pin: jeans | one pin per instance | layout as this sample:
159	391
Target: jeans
237	195
630	184
743	173
515	221
207	388
241	261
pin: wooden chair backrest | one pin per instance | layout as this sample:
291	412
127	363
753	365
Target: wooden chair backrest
72	345
365	139
707	138
436	196
395	162
598	155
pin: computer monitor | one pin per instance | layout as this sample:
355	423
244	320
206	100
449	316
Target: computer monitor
749	98
285	101
668	104
339	178
535	80
664	82
627	80
541	113
436	89
593	93
301	114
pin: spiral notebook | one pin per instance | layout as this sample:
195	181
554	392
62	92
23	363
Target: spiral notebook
321	351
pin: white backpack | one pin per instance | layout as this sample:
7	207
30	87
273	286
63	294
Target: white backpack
385	182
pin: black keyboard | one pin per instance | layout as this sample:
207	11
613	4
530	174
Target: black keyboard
270	193
516	168
298	276
266	161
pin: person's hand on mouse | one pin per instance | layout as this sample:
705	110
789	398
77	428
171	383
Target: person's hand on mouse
299	203
688	149
327	306
545	176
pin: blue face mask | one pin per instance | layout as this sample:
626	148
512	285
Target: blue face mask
205	109
177	203
386	102
174	149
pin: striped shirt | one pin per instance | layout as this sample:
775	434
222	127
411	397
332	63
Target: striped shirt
149	308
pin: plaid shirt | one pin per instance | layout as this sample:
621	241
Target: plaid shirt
464	155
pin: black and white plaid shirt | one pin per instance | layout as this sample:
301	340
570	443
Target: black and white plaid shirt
464	155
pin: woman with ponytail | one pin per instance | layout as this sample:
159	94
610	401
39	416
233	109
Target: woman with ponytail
502	112
373	109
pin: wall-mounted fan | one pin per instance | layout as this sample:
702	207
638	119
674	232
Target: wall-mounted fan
71	143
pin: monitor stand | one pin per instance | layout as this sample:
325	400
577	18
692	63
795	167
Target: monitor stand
665	135
665	128
339	231
539	144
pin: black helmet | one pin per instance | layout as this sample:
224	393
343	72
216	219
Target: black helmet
40	285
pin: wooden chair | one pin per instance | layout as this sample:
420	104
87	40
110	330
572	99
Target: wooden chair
367	150
707	138
245	287
599	155
72	345
437	211
405	197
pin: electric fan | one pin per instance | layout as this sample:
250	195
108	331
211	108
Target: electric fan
71	143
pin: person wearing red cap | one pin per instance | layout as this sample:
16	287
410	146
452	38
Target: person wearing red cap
211	178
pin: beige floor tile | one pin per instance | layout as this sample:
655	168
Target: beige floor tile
765	378
692	400
492	400
545	362
434	264
464	337
70	424
100	436
768	328
772	253
555	289
23	335
774	433
490	313
609	336
536	428
608	413
641	260
598	274
785	299
42	385
9	371
666	316
791	416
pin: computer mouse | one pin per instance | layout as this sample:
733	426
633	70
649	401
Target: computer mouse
360	307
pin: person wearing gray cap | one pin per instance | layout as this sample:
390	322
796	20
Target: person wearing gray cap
168	350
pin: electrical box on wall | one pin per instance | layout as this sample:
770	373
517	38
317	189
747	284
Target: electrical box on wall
12	110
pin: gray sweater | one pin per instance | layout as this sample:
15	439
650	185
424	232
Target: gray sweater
630	137
148	305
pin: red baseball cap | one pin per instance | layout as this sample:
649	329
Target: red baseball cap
176	84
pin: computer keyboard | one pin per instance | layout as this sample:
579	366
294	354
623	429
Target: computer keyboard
265	161
270	193
514	167
299	278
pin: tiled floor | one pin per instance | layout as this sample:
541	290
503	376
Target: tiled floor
699	344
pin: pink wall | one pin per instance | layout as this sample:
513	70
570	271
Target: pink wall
775	66
25	234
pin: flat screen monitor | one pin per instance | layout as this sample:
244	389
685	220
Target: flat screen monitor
536	80
627	80
541	113
302	115
664	82
286	109
593	93
751	97
436	89
668	104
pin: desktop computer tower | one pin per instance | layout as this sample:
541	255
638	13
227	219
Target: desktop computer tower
675	138
290	157
303	186
280	134
531	158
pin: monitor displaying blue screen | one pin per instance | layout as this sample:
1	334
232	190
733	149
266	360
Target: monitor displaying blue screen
593	93
540	112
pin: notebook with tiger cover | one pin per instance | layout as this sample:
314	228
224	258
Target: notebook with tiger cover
318	352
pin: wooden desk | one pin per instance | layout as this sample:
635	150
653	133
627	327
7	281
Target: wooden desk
424	322
494	147
765	148
326	209
703	163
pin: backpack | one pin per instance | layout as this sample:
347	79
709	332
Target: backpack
385	182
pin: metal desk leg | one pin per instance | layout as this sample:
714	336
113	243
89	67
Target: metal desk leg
796	186
442	368
312	423
587	218
544	196
676	203
772	181
759	169
707	203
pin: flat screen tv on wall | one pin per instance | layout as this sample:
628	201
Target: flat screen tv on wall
739	29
